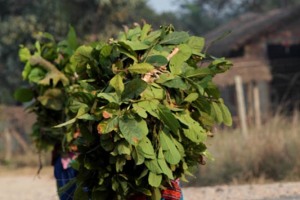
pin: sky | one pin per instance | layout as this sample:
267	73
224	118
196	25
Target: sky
163	5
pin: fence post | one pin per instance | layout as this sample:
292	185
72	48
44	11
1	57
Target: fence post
257	113
8	145
241	104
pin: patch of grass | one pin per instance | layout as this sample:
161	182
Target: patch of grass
267	154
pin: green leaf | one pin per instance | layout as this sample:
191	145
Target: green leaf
150	106
140	68
177	61
134	129
177	83
110	97
171	153
87	116
133	89
153	166
191	97
175	38
72	38
71	121
139	110
81	57
23	94
198	73
157	60
36	75
138	157
163	165
216	112
227	119
123	148
24	54
154	179
136	45
168	118
195	132
26	71
197	44
146	29
153	91
146	149
117	83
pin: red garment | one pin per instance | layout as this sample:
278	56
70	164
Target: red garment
173	192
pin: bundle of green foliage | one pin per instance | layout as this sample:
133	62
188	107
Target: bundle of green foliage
46	70
144	104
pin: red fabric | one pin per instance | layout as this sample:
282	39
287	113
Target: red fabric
173	192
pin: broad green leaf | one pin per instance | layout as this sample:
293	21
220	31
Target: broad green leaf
23	94
103	127
166	116
138	157
153	166
36	75
123	148
139	110
195	132
106	50
153	91
140	68
227	119
150	106
154	179
216	112
134	88
198	73
134	129
197	44
117	83
191	97
176	83
170	151
82	57
146	149
24	54
87	116
110	97
165	77
157	60
145	30
175	38
152	36
177	61
163	165
136	45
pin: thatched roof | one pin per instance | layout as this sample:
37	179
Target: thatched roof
250	69
249	26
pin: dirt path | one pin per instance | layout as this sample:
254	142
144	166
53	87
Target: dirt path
27	186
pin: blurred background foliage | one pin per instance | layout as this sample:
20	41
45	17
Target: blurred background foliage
22	20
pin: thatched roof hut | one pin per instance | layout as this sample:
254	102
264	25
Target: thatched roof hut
249	27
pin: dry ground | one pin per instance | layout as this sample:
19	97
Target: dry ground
25	185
